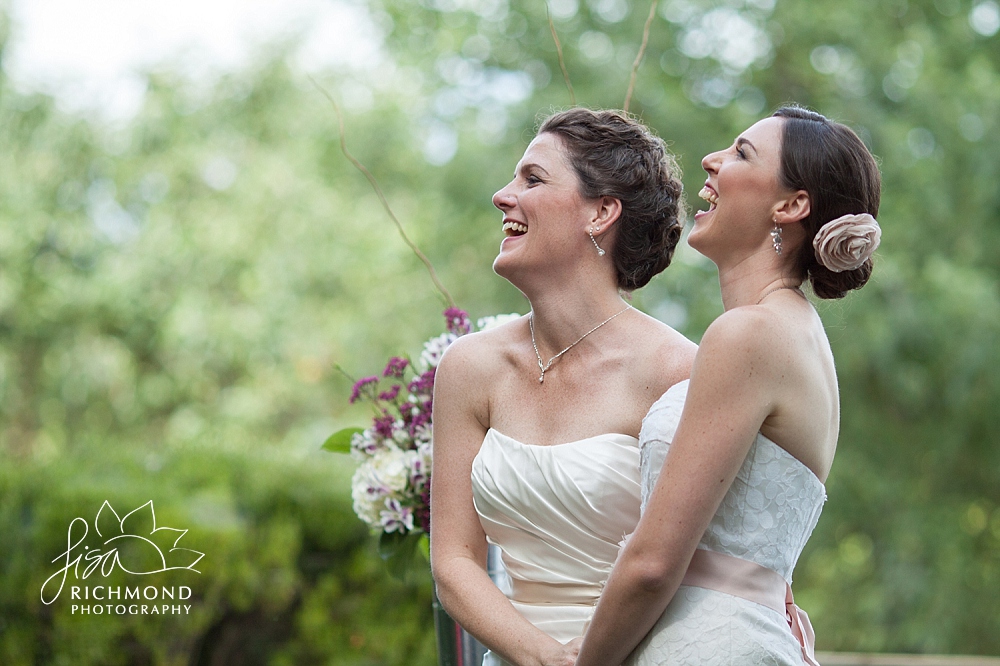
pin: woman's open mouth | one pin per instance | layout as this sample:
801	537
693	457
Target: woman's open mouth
512	228
709	195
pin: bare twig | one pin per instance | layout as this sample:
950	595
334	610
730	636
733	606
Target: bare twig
385	203
642	52
562	62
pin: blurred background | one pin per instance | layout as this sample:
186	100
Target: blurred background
186	255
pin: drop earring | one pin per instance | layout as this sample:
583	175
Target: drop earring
776	237
600	252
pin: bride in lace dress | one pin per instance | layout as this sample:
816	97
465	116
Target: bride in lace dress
535	422
733	460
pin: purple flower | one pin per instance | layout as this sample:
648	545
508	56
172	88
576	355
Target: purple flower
396	517
423	384
365	444
423	510
396	367
391	394
458	321
384	425
359	386
419	474
421	418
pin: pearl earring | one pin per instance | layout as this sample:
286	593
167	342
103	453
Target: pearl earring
776	237
600	252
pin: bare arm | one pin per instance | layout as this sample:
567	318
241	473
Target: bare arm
727	402
458	543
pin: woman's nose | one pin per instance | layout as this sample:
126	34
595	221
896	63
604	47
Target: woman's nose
710	162
503	198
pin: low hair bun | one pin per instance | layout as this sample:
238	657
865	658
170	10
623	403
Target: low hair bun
836	169
613	155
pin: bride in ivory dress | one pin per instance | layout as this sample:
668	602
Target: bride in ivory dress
536	421
733	460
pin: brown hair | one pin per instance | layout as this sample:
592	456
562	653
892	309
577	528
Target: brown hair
615	156
836	169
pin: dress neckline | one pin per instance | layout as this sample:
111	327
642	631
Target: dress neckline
605	435
761	437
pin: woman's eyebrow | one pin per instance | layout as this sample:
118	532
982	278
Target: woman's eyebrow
532	165
741	141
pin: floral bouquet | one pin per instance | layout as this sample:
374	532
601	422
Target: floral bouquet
391	487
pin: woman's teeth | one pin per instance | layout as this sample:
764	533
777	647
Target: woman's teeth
709	195
515	227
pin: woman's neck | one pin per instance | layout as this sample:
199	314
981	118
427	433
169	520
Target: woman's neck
746	282
561	316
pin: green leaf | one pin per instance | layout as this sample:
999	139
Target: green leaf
425	546
399	551
340	441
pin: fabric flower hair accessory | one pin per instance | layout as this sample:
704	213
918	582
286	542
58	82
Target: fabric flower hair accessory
846	243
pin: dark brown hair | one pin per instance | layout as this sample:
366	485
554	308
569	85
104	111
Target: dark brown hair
615	156
829	162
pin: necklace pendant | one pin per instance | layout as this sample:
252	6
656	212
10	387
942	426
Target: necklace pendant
538	357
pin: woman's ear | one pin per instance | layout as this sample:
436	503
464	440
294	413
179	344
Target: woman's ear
793	209
606	213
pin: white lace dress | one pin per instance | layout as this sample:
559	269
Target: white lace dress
559	514
766	517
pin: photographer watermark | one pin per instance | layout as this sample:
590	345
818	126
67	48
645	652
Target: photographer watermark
135	545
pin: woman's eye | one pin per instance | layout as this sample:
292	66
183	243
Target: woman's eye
533	180
741	153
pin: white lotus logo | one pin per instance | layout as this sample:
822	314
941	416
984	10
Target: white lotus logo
133	543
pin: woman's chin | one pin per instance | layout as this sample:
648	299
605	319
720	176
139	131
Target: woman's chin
697	241
513	264
504	265
694	236
508	247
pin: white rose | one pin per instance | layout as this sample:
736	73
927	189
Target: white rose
392	469
368	494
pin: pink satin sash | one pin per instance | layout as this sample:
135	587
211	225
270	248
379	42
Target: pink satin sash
753	582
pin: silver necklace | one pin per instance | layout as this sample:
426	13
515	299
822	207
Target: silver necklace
544	369
768	293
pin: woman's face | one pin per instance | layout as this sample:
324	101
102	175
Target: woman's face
544	214
743	189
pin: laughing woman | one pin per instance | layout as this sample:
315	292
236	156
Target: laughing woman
733	461
536	421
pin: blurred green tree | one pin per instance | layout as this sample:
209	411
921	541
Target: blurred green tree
194	275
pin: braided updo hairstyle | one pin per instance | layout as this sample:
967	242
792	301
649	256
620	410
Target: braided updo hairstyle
618	157
829	162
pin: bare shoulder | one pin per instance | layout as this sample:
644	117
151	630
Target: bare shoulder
470	365
747	340
665	352
478	355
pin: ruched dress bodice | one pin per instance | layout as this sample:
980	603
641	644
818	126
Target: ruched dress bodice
559	514
766	517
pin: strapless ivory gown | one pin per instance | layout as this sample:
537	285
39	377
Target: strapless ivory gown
559	514
766	517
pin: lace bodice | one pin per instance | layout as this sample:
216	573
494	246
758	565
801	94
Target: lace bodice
771	508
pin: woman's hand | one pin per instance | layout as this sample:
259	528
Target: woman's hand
564	655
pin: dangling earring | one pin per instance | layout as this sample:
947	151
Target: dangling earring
600	252
776	237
